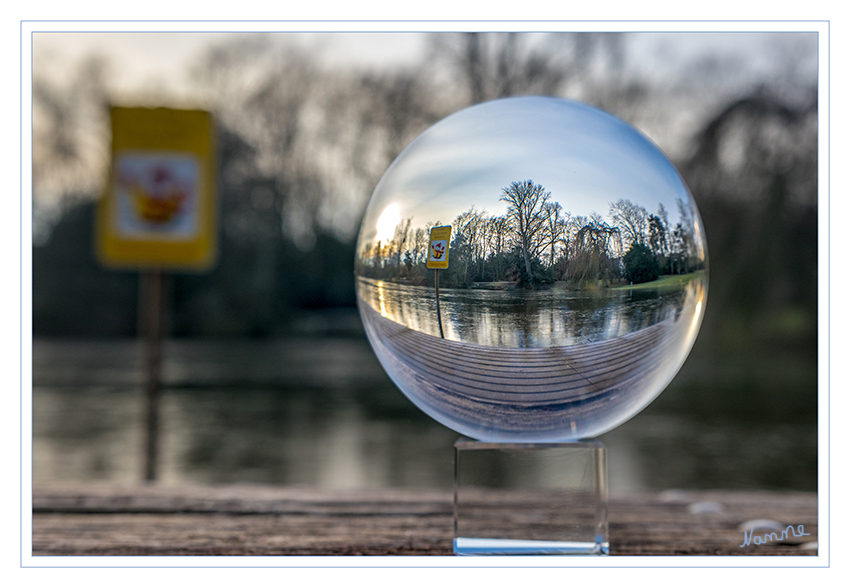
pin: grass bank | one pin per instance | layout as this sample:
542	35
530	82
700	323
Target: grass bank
665	282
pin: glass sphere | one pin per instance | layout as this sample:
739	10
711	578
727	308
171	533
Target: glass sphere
577	271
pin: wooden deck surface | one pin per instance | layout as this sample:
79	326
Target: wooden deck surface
89	519
553	392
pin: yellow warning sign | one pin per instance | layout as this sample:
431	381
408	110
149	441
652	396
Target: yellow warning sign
159	208
438	248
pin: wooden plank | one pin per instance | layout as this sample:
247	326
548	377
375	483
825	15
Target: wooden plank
528	376
89	519
559	388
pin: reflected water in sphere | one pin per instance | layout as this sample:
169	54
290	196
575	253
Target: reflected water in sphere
577	271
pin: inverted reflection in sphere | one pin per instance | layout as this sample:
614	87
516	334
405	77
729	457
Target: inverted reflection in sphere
577	271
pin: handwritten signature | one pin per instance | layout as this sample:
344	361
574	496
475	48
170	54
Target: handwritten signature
767	537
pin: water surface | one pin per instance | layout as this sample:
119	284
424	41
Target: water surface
318	411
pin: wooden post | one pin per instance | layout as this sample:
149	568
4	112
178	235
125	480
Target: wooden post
437	296
153	292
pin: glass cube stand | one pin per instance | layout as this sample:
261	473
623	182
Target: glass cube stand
530	498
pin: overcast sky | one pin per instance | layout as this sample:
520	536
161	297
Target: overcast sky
158	63
143	57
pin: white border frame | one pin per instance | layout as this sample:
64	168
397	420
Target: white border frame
27	28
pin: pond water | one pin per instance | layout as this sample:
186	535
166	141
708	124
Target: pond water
321	411
519	318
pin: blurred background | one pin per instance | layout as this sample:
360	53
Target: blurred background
268	377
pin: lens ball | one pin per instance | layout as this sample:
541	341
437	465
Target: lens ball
531	270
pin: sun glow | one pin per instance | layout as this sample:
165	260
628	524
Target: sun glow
387	223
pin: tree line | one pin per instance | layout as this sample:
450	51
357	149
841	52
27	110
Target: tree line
301	147
537	242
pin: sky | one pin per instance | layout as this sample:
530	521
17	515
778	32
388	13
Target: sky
165	55
145	64
584	157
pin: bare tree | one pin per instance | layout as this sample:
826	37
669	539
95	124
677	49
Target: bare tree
631	219
419	244
527	213
498	228
324	137
400	238
397	107
555	228
468	240
70	139
496	65
472	225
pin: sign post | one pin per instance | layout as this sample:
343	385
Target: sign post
154	319
438	258
159	212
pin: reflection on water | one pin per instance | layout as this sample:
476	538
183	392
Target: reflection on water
322	412
532	365
525	318
313	412
233	436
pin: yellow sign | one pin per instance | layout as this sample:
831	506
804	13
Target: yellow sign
438	248
159	208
